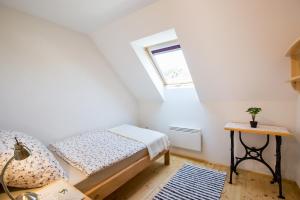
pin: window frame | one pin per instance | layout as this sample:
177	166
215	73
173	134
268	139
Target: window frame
156	65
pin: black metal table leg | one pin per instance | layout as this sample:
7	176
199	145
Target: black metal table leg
254	153
278	165
232	155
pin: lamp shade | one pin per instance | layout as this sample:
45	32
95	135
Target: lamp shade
20	152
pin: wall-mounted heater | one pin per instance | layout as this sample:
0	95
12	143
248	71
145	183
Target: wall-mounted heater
186	138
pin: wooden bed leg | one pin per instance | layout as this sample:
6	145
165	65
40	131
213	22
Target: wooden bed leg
167	158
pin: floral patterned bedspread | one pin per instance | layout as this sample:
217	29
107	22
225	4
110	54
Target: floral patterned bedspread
94	150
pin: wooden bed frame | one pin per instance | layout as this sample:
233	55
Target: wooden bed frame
106	187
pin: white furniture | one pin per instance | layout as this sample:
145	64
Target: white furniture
59	190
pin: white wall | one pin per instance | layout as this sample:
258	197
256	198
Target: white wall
181	107
297	135
298	175
212	116
54	82
235	51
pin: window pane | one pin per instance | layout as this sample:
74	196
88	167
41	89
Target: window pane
173	67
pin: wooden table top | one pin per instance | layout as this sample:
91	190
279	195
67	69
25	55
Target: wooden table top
261	129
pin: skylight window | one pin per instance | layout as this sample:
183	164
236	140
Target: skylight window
170	63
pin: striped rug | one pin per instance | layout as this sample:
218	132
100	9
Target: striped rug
192	183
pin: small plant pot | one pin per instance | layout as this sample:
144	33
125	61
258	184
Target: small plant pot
253	124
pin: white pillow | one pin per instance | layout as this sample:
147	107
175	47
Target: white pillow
39	169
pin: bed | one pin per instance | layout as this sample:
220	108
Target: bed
101	179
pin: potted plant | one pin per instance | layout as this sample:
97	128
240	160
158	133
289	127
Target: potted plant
253	111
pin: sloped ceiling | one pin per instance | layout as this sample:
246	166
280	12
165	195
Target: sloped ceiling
80	15
235	49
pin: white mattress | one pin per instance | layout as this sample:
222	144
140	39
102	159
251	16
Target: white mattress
84	182
95	150
74	175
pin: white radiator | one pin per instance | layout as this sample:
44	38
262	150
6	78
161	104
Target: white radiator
186	138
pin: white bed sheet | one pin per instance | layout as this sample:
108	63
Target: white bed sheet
156	142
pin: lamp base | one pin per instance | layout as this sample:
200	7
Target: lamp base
28	196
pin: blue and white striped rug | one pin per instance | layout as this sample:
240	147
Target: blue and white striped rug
192	183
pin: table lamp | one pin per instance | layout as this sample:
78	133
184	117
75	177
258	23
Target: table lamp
21	152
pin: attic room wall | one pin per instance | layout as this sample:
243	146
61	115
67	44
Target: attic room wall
298	138
211	118
235	52
54	82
